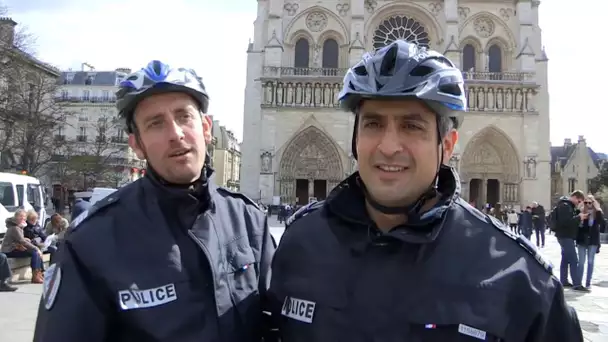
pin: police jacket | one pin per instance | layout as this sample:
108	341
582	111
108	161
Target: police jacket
156	263
567	220
453	275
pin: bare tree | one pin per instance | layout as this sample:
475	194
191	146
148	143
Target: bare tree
99	158
29	114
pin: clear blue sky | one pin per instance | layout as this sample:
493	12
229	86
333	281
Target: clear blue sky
212	36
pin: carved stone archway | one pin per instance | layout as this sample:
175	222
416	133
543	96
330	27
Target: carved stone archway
489	170
312	157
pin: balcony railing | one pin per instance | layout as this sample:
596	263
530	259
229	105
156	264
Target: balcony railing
270	71
498	77
470	77
81	138
85	99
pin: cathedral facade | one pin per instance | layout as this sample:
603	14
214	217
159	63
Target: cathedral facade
297	142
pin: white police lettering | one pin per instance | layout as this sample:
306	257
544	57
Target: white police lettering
470	331
298	309
139	299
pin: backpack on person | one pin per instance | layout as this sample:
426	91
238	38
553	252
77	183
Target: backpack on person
553	219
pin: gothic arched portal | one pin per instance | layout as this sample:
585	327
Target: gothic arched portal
310	166
490	169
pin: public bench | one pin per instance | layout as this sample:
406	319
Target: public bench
21	266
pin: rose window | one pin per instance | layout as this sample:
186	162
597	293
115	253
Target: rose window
400	27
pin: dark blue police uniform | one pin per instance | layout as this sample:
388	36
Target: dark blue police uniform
453	275
156	263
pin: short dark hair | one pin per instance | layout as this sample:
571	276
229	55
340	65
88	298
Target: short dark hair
578	194
444	125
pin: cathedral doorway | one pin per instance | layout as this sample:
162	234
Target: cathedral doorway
490	170
310	167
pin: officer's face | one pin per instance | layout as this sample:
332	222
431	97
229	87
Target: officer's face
172	136
398	149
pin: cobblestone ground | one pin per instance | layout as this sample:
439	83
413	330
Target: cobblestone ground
18	318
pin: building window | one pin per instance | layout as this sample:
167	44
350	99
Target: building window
302	54
571	185
469	57
495	59
400	27
330	54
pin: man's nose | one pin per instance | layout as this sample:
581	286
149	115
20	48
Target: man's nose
175	131
390	143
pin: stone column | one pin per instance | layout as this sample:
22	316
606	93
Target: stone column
483	196
311	188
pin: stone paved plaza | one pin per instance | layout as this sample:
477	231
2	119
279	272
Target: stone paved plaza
19	309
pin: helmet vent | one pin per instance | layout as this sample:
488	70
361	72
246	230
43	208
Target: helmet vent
421	71
452	89
389	62
360	70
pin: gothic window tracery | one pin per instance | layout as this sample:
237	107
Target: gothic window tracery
400	27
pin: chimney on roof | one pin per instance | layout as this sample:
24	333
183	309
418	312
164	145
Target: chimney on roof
567	142
581	139
7	31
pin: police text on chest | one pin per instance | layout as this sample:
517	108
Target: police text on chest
298	309
139	299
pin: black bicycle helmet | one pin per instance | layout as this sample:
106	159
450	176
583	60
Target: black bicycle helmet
157	77
405	70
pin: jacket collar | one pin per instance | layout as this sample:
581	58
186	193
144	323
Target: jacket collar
347	202
201	189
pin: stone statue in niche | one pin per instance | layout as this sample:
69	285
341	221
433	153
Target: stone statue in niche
530	164
266	162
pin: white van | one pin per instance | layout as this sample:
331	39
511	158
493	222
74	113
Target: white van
99	194
20	191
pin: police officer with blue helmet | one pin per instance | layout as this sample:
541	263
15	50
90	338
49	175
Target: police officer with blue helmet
171	256
394	253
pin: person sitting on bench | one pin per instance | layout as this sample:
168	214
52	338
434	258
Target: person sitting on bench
15	245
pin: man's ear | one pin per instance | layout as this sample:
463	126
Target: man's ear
134	145
207	125
449	144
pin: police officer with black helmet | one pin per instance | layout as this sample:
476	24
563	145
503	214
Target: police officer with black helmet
394	253
171	256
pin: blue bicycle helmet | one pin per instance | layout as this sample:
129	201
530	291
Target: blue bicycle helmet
405	70
157	77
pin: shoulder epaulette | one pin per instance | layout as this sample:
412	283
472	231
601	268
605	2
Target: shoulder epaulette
523	243
305	210
239	195
95	208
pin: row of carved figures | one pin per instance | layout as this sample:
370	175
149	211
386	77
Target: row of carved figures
325	95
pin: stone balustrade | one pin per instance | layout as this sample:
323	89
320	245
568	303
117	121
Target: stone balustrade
324	94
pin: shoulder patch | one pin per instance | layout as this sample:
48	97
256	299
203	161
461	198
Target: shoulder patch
305	210
523	243
103	203
50	287
239	195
